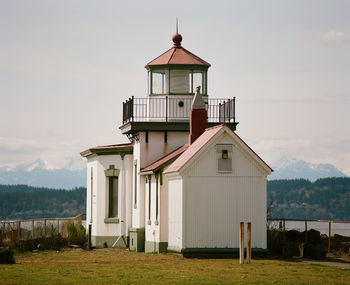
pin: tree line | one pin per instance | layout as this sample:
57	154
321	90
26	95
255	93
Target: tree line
20	202
327	198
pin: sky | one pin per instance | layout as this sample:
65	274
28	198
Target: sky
67	66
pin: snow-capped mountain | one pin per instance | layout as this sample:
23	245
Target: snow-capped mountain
291	168
36	174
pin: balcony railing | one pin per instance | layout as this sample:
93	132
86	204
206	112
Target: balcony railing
175	109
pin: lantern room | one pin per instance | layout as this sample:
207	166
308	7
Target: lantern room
173	78
177	72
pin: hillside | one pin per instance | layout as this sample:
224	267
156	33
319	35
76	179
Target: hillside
26	202
326	198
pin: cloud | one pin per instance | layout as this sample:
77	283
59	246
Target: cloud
15	152
333	149
333	37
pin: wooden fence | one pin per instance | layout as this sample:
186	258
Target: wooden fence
14	231
325	227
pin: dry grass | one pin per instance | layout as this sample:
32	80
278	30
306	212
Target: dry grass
121	266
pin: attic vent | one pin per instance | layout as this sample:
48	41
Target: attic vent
224	157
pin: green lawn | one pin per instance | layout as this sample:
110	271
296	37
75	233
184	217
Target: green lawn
121	266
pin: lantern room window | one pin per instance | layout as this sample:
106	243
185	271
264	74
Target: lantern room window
177	81
157	82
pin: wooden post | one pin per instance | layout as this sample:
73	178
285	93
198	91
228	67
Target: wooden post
249	242
284	230
18	231
329	236
89	237
32	229
305	231
241	243
45	228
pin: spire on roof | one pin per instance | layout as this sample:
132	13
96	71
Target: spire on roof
177	38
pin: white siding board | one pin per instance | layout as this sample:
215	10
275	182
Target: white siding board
175	236
214	207
215	203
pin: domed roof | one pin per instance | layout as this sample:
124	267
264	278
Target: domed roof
177	55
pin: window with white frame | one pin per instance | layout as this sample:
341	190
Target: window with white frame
112	191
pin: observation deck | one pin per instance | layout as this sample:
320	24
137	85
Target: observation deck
172	113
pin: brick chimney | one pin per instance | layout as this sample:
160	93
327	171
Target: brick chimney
198	117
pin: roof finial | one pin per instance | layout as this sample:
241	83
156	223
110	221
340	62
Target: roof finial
177	38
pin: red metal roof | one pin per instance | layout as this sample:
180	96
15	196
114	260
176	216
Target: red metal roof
198	144
178	55
165	159
193	149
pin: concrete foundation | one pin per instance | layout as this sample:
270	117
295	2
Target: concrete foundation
157	247
108	241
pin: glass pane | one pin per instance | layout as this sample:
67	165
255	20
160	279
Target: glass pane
179	81
115	197
197	81
158	83
190	89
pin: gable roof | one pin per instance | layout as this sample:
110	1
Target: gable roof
178	55
193	149
198	144
165	160
125	148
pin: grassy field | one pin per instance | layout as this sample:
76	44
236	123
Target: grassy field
121	266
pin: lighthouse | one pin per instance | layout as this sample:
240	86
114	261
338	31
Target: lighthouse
140	194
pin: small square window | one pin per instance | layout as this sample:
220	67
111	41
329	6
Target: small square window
224	158
224	154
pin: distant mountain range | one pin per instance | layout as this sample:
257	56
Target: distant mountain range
35	173
291	168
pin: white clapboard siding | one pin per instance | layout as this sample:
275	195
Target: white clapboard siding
100	197
215	203
214	206
175	213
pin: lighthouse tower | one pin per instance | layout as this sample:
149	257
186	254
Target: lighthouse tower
159	124
127	200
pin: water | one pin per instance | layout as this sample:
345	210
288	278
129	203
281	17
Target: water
336	228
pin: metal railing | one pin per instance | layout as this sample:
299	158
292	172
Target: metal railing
176	109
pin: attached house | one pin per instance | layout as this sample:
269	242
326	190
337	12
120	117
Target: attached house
186	179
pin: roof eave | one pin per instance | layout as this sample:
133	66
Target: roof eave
178	65
107	151
162	166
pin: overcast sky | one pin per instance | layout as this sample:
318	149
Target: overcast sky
66	67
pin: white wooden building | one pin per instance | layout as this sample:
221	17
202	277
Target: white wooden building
186	179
